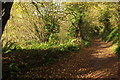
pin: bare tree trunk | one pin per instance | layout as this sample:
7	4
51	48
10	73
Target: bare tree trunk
6	8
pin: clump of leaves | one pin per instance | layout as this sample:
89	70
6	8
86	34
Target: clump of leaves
10	46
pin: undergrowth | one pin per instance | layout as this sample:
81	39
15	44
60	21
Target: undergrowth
53	50
114	38
117	50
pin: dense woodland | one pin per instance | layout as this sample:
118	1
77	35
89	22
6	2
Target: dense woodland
45	32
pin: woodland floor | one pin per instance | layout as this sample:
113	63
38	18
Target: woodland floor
97	61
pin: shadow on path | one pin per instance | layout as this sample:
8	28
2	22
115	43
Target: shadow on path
95	61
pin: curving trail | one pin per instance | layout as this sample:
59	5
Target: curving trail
95	61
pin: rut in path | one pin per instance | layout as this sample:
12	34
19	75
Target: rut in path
95	61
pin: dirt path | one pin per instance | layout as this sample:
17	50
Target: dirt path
95	61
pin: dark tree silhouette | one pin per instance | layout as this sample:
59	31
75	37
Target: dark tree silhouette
6	8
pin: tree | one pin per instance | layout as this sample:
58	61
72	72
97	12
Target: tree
6	8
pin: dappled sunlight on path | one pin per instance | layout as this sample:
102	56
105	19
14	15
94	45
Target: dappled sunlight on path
95	61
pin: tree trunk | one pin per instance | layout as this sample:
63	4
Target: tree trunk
6	8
